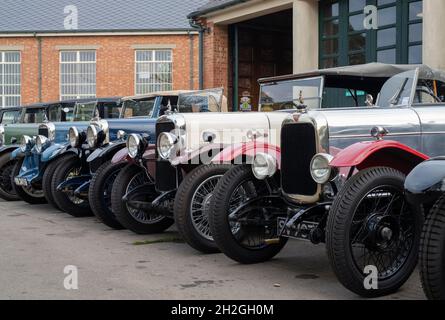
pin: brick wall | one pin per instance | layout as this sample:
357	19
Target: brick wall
115	63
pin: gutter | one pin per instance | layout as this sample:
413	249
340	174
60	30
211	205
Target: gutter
78	33
199	13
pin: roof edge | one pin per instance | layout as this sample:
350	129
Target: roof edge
198	13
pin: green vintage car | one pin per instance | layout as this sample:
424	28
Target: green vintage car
26	123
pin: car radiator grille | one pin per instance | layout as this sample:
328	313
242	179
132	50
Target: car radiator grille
166	174
298	147
44	132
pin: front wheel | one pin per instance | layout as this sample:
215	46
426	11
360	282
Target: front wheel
29	194
432	253
99	194
192	204
71	204
137	220
372	234
6	186
251	237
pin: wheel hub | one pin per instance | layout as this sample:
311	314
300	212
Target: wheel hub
382	232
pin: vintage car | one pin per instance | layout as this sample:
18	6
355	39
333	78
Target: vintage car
96	147
327	185
425	186
37	151
187	142
138	174
9	115
26	123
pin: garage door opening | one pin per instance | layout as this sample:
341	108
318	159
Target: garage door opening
261	47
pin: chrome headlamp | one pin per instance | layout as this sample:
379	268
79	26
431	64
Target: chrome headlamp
74	137
321	170
48	130
167	145
264	166
26	144
135	145
2	135
98	134
42	143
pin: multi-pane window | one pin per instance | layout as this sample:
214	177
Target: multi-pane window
345	41
77	74
153	71
10	78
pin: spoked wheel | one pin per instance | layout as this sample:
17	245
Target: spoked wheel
29	194
69	203
134	219
432	253
6	188
192	203
99	194
249	236
372	230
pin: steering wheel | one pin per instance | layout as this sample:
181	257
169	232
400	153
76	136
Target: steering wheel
288	105
430	93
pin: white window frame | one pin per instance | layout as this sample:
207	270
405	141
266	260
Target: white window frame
77	62
164	86
3	96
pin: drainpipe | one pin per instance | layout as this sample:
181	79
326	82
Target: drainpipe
192	62
201	30
39	59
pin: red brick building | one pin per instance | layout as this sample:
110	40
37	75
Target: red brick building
52	49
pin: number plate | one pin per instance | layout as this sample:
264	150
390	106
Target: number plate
301	232
21	182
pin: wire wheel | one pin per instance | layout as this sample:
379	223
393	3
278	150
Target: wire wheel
74	172
382	232
5	177
140	216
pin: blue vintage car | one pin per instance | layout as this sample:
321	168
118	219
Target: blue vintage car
26	122
96	147
35	152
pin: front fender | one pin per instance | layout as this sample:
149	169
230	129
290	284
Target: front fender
203	155
7	149
239	153
382	153
106	151
16	153
121	156
56	150
426	182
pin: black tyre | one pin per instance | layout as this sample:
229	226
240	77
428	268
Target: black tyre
6	188
371	226
99	194
70	204
133	219
29	194
245	243
432	253
47	180
192	203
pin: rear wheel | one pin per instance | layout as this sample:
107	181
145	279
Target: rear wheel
192	203
47	179
372	234
29	194
99	194
6	188
133	219
71	204
432	253
244	238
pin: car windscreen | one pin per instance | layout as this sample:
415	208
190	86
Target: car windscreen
398	90
35	115
9	117
200	101
285	95
109	110
85	111
138	108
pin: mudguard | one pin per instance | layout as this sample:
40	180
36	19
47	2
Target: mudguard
17	153
425	183
121	156
56	150
203	155
246	152
383	153
104	152
30	170
7	149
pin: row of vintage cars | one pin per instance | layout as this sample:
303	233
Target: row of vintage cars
349	157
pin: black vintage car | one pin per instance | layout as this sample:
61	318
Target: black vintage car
425	185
